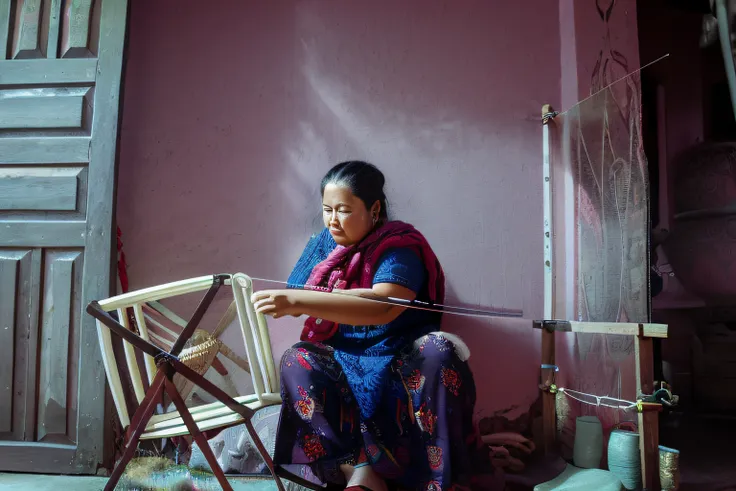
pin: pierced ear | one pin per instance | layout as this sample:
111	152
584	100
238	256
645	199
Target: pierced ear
376	209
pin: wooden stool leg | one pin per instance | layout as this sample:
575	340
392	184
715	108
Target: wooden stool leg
141	418
549	415
177	366
264	453
196	434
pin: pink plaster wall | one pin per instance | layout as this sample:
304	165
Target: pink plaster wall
232	115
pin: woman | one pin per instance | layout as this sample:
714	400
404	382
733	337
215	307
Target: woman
373	395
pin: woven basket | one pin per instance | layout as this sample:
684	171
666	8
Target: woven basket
198	357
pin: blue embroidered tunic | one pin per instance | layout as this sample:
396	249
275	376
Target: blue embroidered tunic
365	353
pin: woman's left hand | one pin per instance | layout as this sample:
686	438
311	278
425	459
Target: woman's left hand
276	303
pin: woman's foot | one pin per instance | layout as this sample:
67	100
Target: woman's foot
500	443
509	439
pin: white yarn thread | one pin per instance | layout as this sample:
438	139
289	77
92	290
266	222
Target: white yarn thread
623	404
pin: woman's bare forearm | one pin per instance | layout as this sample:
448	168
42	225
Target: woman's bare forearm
353	306
345	307
342	306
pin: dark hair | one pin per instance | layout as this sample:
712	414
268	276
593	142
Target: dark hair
364	180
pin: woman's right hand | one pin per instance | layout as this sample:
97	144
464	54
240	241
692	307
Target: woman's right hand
276	303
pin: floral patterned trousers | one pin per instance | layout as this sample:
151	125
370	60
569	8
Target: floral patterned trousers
421	438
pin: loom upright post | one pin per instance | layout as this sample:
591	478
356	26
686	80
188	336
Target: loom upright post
648	415
547	114
547	381
549	394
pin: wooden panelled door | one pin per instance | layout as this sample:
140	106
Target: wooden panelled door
60	72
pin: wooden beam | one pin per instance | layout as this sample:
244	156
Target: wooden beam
47	71
549	290
620	328
158	292
648	420
137	428
100	235
196	434
549	414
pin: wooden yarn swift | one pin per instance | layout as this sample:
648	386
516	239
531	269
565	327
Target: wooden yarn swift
162	366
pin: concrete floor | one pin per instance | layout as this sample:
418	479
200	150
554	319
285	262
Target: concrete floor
707	448
707	451
37	482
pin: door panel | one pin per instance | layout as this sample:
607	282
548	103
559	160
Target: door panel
42	108
58	128
59	345
15	319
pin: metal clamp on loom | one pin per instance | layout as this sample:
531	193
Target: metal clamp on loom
662	397
548	113
549	387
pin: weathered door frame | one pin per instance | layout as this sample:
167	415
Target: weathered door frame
93	234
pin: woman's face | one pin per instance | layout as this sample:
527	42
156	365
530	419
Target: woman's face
346	216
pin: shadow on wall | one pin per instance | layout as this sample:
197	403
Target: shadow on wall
227	131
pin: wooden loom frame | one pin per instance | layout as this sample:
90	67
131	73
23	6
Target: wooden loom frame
648	413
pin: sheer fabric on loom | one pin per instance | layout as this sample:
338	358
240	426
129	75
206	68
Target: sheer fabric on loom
600	205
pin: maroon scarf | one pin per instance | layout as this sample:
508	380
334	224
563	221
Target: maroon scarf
355	266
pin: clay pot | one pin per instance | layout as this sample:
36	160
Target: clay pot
702	245
588	447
